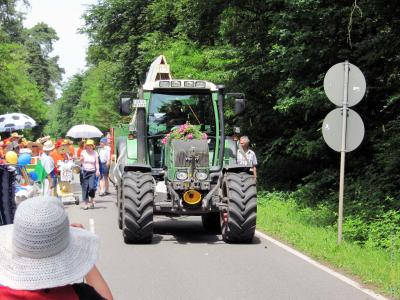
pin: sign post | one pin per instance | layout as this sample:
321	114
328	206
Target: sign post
343	149
345	86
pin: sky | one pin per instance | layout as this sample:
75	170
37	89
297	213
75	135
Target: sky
65	17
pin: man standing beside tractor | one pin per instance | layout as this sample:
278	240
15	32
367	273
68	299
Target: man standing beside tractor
246	156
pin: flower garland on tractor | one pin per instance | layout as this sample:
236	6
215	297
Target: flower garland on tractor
185	132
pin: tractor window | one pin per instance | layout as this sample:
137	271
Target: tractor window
170	110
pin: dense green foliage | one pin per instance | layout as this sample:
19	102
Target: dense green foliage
28	74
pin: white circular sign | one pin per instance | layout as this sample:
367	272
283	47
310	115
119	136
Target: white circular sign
334	84
332	130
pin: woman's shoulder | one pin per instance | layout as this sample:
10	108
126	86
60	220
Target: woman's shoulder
77	291
58	293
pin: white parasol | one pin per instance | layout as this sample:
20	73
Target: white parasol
15	121
84	131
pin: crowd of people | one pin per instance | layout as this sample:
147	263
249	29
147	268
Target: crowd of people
46	155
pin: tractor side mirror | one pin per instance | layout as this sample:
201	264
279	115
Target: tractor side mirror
240	105
125	104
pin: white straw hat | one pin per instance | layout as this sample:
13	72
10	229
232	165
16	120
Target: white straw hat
40	250
48	146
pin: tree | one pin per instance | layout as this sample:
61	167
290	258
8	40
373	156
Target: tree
43	68
18	92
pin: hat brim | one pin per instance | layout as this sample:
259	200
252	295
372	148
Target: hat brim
68	267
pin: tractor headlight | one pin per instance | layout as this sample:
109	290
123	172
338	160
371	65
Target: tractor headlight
175	83
181	175
164	84
200	84
201	175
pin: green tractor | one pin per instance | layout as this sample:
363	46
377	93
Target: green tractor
178	177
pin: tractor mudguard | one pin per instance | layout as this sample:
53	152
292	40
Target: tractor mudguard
236	169
138	167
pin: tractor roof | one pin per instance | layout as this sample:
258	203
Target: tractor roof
159	77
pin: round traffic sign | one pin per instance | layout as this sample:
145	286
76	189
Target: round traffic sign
332	130
334	84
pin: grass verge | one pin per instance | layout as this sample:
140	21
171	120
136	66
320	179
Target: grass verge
279	216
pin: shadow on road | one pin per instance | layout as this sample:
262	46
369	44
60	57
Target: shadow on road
187	232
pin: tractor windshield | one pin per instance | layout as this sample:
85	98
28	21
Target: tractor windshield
168	110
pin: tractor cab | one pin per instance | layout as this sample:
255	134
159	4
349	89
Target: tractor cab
170	109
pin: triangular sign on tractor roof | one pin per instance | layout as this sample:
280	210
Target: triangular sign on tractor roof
159	70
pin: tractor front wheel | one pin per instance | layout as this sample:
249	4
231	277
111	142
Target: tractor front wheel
239	219
137	212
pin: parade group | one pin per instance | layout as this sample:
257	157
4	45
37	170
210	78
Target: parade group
49	165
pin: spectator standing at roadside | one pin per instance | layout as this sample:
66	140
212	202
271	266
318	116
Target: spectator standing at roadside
47	163
104	157
246	156
56	155
89	160
71	148
42	257
81	147
14	139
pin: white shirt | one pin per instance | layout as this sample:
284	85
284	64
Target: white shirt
104	154
47	162
89	161
249	159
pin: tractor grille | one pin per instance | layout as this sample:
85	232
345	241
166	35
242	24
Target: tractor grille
183	149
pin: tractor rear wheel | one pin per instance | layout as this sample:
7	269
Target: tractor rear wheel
238	222
137	212
212	222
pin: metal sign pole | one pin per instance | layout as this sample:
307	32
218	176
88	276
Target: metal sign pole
345	86
343	148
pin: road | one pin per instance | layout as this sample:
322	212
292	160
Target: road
185	262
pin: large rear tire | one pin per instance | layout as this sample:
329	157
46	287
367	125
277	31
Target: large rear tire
138	200
238	222
212	222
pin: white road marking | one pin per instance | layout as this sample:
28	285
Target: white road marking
91	225
322	267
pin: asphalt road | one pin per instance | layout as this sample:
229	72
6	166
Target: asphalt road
185	262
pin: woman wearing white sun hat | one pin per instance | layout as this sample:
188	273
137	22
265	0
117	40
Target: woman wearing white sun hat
43	257
48	165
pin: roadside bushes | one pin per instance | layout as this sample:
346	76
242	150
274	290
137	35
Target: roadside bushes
381	231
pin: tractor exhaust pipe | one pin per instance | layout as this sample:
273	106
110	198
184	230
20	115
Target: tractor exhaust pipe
141	134
221	90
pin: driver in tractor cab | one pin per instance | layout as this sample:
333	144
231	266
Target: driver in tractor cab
175	114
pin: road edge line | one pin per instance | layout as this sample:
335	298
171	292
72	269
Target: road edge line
313	262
